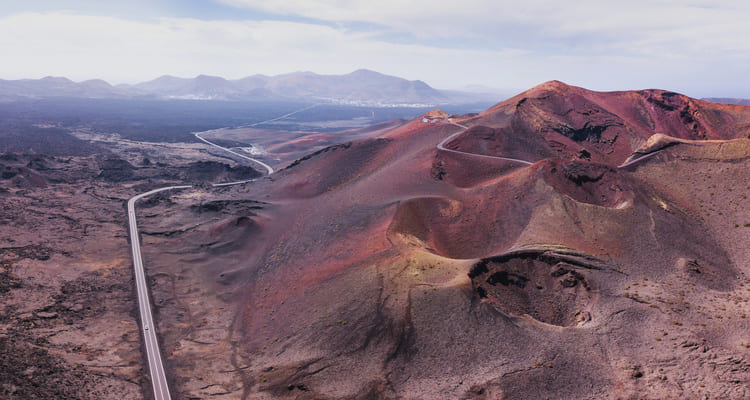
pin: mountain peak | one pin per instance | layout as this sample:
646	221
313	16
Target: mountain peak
368	72
164	78
96	83
554	85
203	77
56	79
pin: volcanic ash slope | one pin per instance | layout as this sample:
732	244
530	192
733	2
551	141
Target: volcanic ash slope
391	269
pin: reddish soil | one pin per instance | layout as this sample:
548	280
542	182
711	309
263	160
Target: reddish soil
384	268
601	126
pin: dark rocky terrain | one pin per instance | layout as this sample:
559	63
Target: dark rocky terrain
67	327
68	319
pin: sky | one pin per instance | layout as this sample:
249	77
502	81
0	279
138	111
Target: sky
699	48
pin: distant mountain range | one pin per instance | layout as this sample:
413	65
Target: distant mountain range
361	87
726	100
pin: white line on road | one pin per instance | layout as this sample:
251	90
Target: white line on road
631	162
441	146
264	165
153	355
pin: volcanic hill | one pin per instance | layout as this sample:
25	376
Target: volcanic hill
555	248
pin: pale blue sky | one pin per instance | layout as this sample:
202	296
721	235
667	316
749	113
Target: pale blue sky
698	48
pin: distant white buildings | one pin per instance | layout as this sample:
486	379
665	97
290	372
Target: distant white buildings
373	103
254	150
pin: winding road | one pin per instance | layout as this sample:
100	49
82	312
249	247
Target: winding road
631	162
268	168
153	354
441	146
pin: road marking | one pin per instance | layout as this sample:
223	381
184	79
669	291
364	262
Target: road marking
264	165
153	355
631	162
441	146
268	168
159	382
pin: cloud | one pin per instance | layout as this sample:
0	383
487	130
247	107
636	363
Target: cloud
584	26
663	54
82	47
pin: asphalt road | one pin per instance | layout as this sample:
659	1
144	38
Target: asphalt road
261	163
639	159
441	146
153	355
268	168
